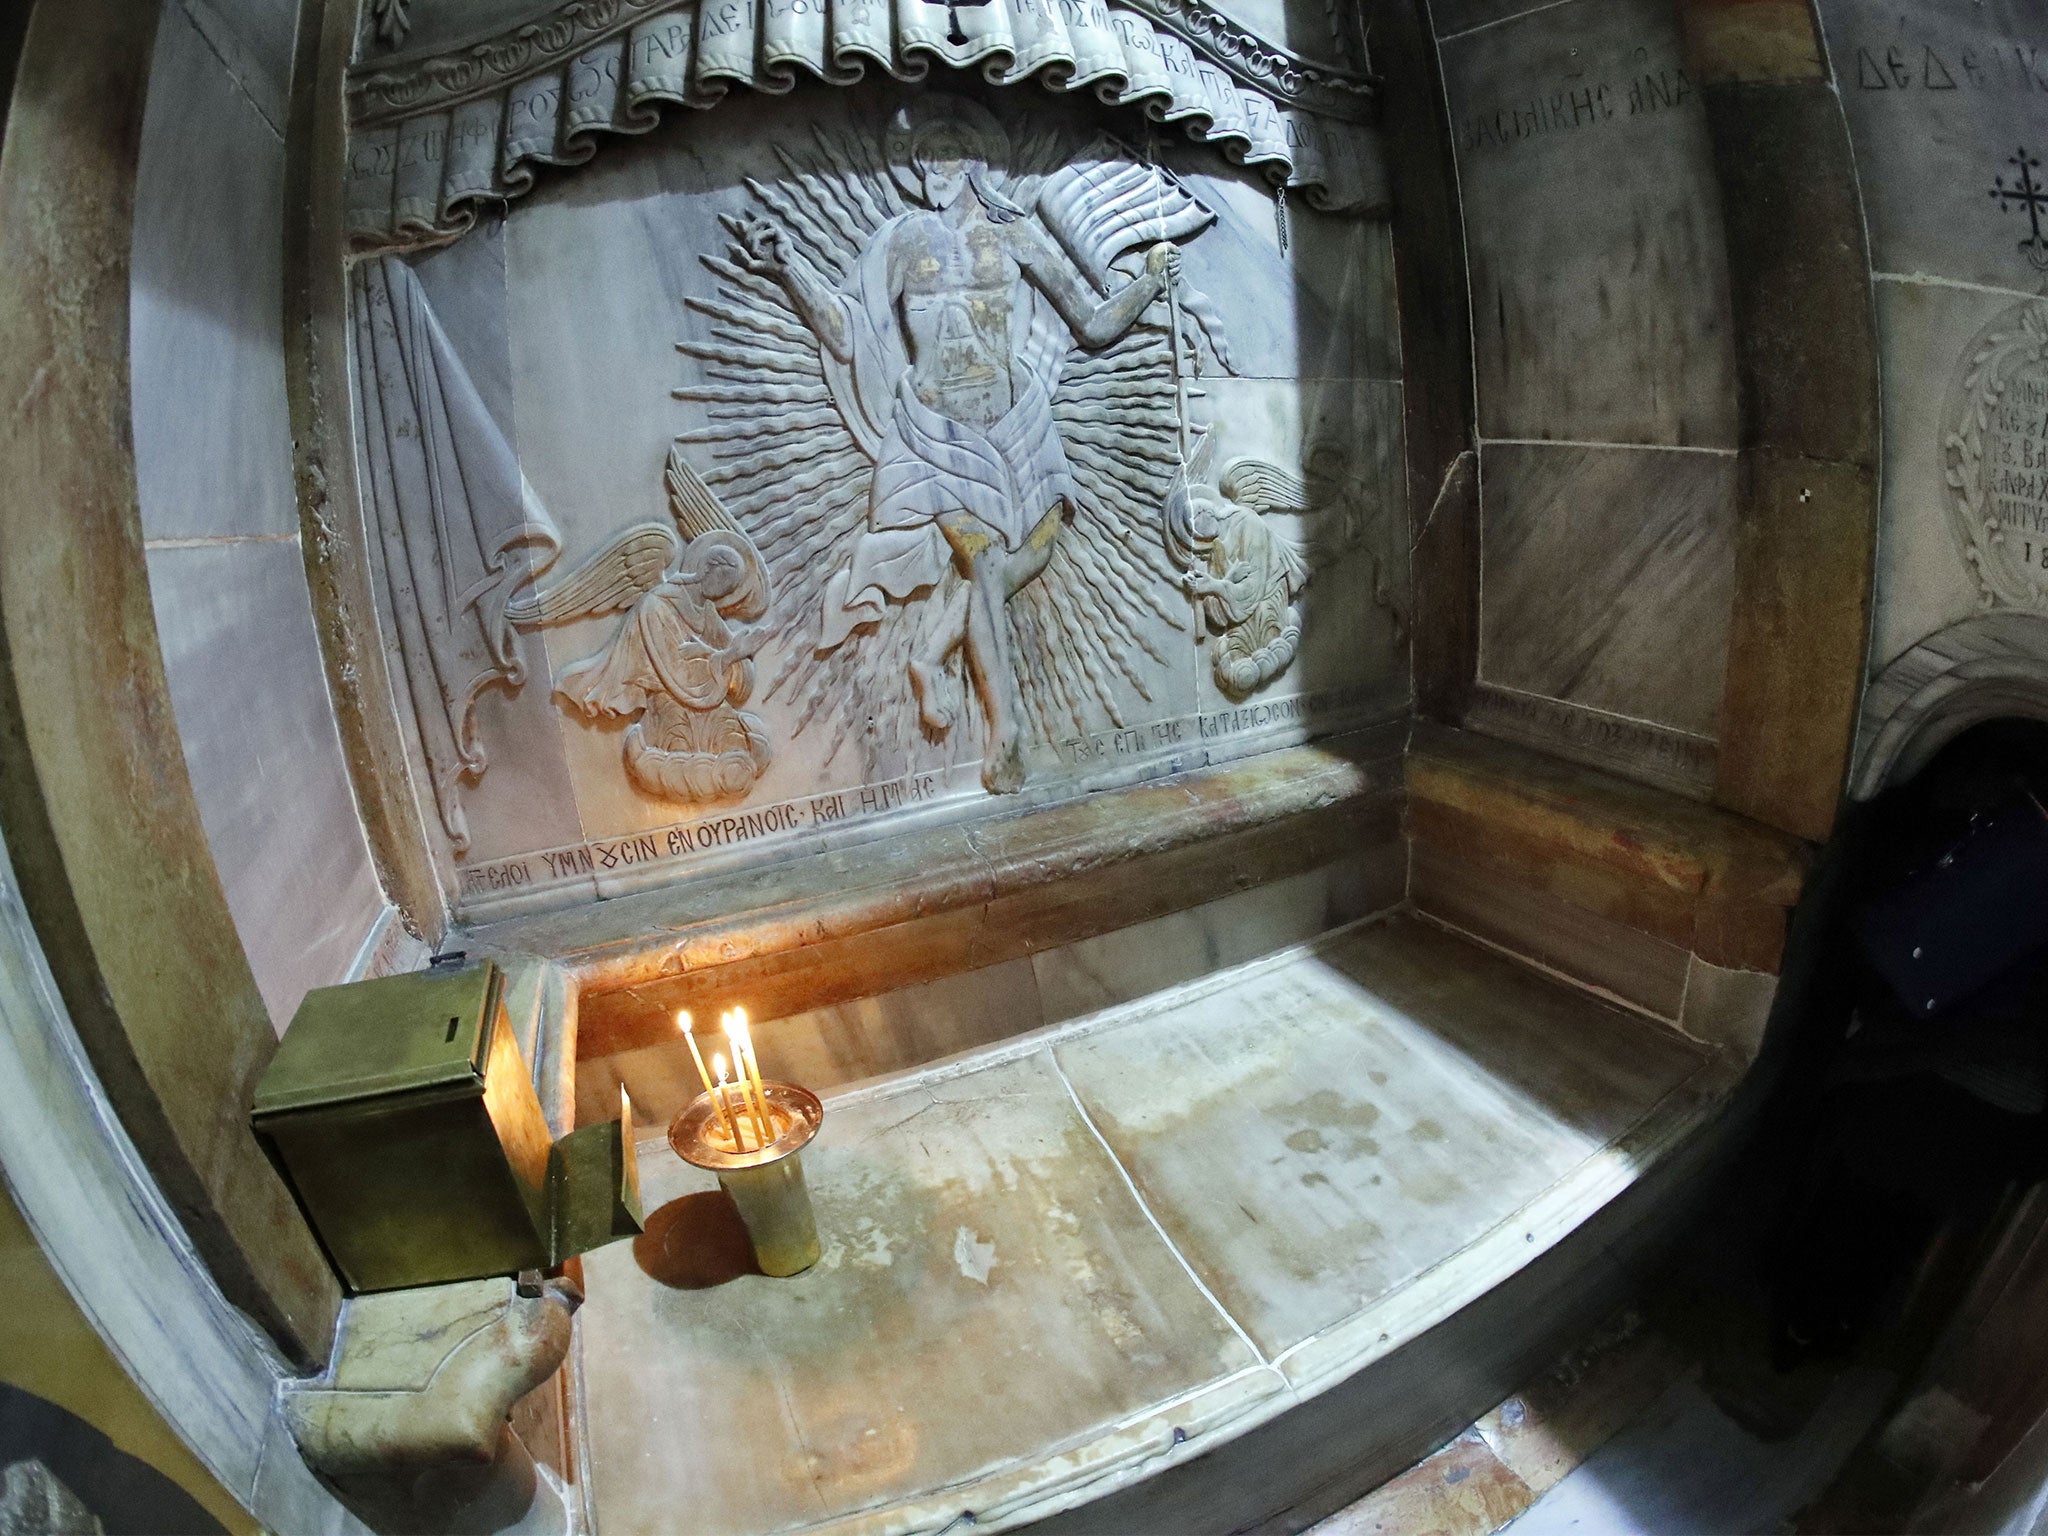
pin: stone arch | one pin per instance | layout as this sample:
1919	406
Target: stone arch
1989	667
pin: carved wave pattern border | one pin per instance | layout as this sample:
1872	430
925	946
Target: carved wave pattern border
434	139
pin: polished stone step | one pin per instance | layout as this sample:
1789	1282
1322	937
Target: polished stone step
1069	1261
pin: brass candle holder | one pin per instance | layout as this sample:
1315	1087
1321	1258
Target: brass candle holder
765	1180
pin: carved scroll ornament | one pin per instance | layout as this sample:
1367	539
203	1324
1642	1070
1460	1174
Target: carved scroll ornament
434	135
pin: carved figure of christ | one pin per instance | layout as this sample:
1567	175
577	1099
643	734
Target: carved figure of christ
972	450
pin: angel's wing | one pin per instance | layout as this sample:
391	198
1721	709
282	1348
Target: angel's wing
616	577
1266	486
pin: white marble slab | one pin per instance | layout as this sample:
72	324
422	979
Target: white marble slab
990	1289
1047	1265
1317	1136
213	445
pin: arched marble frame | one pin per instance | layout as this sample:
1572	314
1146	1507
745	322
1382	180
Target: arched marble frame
1992	666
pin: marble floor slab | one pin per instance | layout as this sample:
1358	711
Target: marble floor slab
1318	1134
1081	1256
990	1290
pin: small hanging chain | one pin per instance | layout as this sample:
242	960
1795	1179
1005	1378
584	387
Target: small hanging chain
1280	215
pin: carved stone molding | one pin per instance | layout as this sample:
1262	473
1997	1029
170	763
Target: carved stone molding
434	135
425	1377
1991	667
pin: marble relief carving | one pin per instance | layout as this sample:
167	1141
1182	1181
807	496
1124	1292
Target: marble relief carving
928	450
990	433
682	663
458	534
462	120
1995	450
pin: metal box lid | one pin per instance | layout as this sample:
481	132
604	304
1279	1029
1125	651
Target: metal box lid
396	1034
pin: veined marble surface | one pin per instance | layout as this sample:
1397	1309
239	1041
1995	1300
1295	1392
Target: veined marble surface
1059	1266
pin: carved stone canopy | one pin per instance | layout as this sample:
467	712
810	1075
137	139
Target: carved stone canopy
452	123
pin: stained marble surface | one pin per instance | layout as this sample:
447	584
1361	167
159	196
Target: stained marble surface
1403	1094
974	1223
1041	1260
1607	578
1597	258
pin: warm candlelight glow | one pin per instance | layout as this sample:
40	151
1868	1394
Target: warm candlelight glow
748	1070
683	1023
732	1126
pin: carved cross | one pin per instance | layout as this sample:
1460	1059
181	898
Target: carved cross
2033	197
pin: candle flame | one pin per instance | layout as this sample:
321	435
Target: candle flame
718	1067
683	1020
736	1032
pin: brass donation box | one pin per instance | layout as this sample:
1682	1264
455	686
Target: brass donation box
402	1114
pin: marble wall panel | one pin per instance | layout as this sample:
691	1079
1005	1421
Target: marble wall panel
612	335
1452	17
250	693
1607	578
212	440
1598	272
1945	100
213	454
254	40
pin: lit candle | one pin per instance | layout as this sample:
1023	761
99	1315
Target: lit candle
683	1023
732	1126
749	1070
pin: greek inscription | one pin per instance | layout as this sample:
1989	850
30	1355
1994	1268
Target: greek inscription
1899	64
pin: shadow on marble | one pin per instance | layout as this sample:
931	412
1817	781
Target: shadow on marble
977	1220
1078	979
695	1242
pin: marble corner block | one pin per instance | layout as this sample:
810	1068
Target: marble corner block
1927	337
249	691
1599	283
213	444
1000	1233
1727	1007
1607	577
1344	1144
1941	98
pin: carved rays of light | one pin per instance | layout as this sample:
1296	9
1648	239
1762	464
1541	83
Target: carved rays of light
1090	629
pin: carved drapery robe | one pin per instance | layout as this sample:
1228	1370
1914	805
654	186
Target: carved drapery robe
927	464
